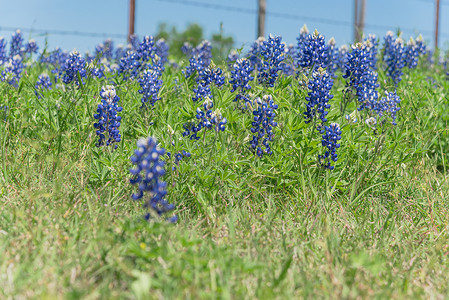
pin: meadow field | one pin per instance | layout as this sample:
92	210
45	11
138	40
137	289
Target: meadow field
286	172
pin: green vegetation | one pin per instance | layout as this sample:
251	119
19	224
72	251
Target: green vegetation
377	226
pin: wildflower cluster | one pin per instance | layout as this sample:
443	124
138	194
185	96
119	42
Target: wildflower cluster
361	77
254	55
73	66
330	138
312	51
107	117
263	123
150	85
200	58
179	156
394	57
205	77
16	44
319	95
272	52
43	83
372	43
105	50
3	56
147	175
333	56
413	50
31	47
288	65
207	119
136	61
162	49
388	105
240	78
13	71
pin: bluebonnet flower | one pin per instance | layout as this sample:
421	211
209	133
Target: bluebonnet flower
73	66
120	51
133	43
342	58
105	50
303	33
179	156
187	49
262	125
240	78
388	105
254	54
319	95
135	62
288	64
129	65
162	49
372	43
361	77
272	52
332	56
205	78
107	117
420	45
3	56
330	138
207	119
312	51
233	56
43	83
56	58
200	58
13	71
147	175
191	130
31	47
150	85
16	43
147	49
394	57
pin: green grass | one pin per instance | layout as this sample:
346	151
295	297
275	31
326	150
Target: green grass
277	227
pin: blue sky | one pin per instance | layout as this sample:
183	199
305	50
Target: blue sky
111	16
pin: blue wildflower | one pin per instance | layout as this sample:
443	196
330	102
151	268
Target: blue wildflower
240	78
105	50
263	123
107	117
371	44
361	77
330	138
332	56
73	66
201	57
147	175
205	77
3	56
319	95
254	54
312	51
388	105
13	71
150	85
16	44
394	57
43	83
162	49
272	52
31	47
